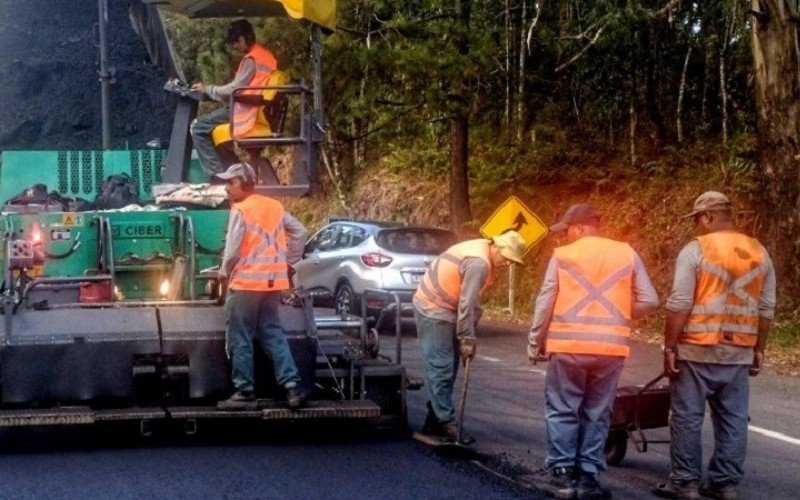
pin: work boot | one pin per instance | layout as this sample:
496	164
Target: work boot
241	400
683	491
432	425
450	430
559	483
589	488
721	492
296	397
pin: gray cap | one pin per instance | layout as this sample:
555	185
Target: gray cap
708	202
242	170
580	213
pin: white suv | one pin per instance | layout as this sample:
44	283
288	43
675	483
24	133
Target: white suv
346	257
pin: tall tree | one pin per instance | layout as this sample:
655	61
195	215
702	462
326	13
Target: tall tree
460	212
777	88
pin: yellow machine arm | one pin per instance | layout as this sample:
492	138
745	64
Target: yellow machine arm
321	12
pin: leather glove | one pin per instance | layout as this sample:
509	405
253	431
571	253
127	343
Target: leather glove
467	349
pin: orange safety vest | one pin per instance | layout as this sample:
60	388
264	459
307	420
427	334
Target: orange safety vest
729	282
262	255
440	287
244	115
592	313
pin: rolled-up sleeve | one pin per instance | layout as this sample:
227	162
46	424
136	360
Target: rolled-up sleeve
681	298
768	297
545	303
296	237
645	297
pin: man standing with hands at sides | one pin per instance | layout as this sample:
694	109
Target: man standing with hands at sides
718	318
262	244
593	288
446	312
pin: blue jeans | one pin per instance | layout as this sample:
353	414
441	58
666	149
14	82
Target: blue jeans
440	355
727	390
579	396
201	129
255	315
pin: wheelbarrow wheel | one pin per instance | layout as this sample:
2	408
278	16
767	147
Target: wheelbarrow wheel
616	446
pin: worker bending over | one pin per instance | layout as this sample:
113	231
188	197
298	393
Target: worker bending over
446	312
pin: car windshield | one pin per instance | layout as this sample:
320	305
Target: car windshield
417	240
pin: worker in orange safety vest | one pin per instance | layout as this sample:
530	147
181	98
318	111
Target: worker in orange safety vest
254	70
593	288
262	243
718	319
446	312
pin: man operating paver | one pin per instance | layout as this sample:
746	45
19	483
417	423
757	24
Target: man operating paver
445	313
255	69
718	318
592	289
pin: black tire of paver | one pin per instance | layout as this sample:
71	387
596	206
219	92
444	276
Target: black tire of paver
616	446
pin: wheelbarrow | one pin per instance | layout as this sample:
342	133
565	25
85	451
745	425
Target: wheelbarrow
636	409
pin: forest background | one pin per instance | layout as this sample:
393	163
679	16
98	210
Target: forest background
437	111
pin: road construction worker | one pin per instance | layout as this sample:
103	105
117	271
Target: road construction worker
446	311
718	318
254	70
262	242
593	288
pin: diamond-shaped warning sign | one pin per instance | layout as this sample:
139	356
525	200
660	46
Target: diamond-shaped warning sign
514	215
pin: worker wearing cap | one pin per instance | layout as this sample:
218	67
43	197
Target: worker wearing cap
254	70
593	288
263	241
446	313
718	318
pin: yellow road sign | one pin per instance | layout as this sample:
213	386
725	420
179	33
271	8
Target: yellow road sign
514	215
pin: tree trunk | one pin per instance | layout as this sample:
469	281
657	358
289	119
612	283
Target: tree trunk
632	108
681	91
459	173
723	97
777	89
507	43
521	75
460	212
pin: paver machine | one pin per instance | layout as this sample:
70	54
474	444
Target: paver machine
106	314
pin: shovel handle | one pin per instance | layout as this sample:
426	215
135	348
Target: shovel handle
462	403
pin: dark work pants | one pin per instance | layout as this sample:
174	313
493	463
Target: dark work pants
255	315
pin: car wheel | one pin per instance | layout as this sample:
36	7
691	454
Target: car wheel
346	302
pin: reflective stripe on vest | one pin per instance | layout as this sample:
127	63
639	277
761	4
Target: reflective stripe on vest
244	115
592	312
729	282
440	287
262	253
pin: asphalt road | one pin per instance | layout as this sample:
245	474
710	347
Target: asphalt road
504	412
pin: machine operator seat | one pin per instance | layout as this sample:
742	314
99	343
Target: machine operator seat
269	123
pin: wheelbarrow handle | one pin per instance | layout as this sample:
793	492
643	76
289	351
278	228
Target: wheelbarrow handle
651	383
